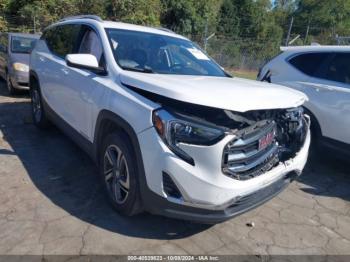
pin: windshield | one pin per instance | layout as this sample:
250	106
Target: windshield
154	53
22	44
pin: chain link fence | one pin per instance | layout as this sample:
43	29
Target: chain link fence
19	24
242	56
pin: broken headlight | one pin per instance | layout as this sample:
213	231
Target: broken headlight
175	130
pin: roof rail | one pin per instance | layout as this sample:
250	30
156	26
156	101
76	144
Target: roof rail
165	29
94	17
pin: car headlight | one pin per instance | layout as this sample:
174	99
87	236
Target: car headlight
175	130
21	67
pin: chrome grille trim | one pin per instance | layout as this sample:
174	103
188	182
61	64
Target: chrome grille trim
250	165
242	157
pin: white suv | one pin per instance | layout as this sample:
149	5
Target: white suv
323	74
171	132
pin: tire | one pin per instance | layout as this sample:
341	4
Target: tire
10	88
38	113
119	175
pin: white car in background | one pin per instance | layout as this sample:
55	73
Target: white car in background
323	74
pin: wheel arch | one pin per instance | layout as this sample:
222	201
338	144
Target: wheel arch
315	125
33	76
108	121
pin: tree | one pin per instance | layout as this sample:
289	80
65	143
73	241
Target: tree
189	16
326	18
228	19
3	22
90	7
283	10
144	12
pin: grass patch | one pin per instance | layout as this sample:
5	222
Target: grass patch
244	74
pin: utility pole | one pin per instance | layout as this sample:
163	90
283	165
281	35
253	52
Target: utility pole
307	32
289	30
34	26
205	35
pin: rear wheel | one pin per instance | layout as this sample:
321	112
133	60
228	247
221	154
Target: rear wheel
119	174
38	113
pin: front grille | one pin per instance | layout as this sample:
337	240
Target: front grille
244	158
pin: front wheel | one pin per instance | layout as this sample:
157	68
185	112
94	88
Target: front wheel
38	113
119	174
10	88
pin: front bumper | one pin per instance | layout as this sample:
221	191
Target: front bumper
208	196
161	206
20	80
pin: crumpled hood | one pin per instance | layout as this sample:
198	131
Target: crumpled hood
234	94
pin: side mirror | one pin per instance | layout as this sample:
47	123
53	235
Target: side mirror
85	61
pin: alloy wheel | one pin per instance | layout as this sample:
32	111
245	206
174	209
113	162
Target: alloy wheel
116	174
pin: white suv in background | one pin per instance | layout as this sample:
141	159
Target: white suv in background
323	74
171	132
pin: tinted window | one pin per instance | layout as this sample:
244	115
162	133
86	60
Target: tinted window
62	40
338	69
91	44
22	44
309	63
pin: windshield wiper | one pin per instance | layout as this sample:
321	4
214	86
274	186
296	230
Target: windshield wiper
135	69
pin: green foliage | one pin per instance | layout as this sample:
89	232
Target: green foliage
228	20
323	15
189	17
144	12
244	29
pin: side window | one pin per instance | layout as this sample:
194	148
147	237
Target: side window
309	63
338	69
61	40
91	44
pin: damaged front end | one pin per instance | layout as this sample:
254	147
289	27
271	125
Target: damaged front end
272	136
261	139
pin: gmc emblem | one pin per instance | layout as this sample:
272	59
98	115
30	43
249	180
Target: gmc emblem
266	140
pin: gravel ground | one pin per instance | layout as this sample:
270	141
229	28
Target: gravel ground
51	202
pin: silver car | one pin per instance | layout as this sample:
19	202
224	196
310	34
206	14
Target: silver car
14	59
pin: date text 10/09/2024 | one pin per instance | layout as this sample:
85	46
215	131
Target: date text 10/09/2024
173	258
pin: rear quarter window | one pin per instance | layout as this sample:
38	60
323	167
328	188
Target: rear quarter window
337	69
309	63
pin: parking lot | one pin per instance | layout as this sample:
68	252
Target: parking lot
51	202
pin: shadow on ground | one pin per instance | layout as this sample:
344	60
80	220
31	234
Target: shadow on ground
327	175
67	176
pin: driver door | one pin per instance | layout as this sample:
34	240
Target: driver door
84	87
